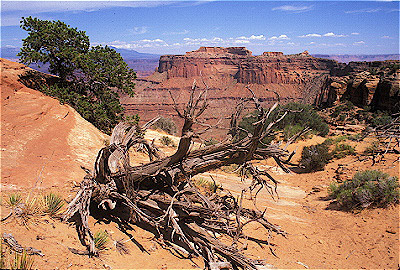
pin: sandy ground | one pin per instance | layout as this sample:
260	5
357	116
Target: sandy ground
43	143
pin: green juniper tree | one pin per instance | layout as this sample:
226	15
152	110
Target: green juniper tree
90	77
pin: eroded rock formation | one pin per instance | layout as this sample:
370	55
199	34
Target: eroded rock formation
296	78
373	84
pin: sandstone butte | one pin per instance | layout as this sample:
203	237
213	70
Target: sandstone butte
227	71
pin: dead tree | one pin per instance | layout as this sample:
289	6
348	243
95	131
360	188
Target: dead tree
161	197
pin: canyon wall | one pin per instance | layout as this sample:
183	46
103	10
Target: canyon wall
227	71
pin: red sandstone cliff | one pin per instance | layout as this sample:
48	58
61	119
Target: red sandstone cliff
296	78
226	71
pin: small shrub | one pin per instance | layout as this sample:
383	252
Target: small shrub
315	157
356	137
12	260
298	117
207	184
291	130
372	149
338	110
367	188
22	261
165	124
14	199
211	141
52	204
32	207
101	240
381	120
167	141
342	150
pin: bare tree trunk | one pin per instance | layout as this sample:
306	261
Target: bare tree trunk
162	197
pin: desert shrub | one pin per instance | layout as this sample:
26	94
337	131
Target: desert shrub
372	149
367	188
291	130
211	141
381	120
345	107
14	199
21	261
208	185
52	204
167	141
298	117
315	157
101	240
165	124
355	137
342	150
32	207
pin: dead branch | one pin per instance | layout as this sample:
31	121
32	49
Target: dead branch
162	197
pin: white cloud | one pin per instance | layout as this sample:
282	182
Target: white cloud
242	41
331	34
62	6
253	37
386	37
357	43
365	10
355	34
294	9
281	37
139	30
184	32
310	35
144	43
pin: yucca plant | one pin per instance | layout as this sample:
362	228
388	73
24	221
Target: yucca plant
30	208
14	199
21	261
101	240
52	204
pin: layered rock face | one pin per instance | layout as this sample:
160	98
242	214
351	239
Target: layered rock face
373	84
239	63
227	71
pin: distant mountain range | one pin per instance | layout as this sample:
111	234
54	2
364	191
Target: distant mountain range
346	58
145	64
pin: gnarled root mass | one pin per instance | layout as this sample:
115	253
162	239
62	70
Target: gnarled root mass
161	197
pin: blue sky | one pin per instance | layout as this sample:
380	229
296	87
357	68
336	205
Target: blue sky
161	27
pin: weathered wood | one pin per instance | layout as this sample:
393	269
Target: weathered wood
14	245
161	196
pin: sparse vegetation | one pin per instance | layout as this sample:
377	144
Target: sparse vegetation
299	117
342	150
166	124
101	240
22	261
52	204
10	259
14	199
167	141
208	185
365	189
372	149
210	141
345	107
315	157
